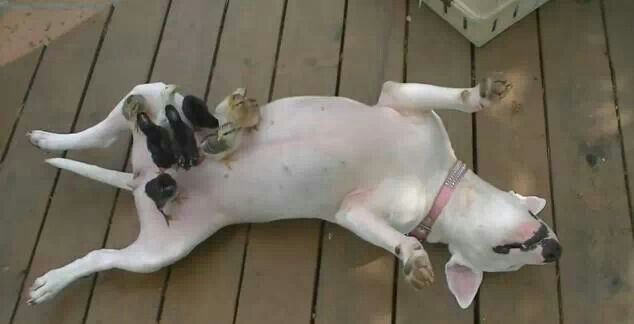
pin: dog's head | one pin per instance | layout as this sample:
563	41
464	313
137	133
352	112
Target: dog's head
494	231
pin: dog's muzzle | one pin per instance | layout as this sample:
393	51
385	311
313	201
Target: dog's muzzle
551	250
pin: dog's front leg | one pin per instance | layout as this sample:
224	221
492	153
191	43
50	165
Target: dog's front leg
142	98
101	135
374	229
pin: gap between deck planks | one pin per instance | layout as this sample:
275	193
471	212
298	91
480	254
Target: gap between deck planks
129	293
589	189
15	81
27	183
245	58
351	269
617	16
437	54
190	69
79	215
512	155
445	64
308	64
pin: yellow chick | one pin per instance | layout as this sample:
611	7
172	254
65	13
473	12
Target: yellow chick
237	112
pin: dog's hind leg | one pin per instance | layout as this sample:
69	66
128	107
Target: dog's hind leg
415	97
156	247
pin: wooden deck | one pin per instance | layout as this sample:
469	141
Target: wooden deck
565	133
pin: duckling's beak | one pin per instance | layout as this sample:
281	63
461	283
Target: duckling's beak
240	92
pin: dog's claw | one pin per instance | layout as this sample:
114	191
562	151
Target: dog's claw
494	88
489	91
45	140
47	286
418	270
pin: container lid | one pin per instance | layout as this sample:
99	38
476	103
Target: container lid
480	9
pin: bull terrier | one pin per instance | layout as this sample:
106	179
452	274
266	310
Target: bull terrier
386	172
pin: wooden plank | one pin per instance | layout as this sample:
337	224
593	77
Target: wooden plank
439	55
140	294
281	260
512	155
591	209
619	23
26	181
14	82
188	44
246	57
354	273
81	208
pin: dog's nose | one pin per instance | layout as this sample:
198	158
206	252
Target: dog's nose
551	250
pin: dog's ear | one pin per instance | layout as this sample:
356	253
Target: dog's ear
463	280
533	203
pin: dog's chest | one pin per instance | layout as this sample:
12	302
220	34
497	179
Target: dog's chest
306	155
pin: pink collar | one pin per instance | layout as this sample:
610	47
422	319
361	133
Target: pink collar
454	177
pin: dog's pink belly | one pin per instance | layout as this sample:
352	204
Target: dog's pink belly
305	157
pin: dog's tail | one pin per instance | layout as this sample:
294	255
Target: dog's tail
118	179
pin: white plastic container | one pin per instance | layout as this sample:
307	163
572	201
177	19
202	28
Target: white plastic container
481	20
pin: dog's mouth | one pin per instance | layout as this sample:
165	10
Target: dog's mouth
531	244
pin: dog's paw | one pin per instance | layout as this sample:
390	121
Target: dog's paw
490	91
45	140
418	270
47	286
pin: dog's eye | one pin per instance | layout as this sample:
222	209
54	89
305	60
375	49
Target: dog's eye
506	248
501	249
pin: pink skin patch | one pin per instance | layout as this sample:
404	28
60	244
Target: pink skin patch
527	230
354	198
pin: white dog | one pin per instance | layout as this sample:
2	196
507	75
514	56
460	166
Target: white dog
381	172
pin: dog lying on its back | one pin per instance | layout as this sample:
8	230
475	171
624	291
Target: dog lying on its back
381	172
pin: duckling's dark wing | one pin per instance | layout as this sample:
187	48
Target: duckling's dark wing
184	137
197	112
161	189
158	142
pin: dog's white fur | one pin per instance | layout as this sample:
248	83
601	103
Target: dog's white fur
373	170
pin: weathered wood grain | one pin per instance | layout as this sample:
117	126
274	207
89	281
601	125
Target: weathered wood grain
140	294
512	155
439	55
14	82
591	209
245	57
27	182
356	277
619	24
80	210
281	259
